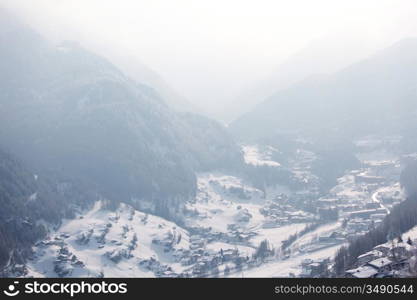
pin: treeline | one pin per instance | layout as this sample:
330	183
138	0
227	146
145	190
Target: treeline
308	228
26	200
264	176
401	219
408	178
332	164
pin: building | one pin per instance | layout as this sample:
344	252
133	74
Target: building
382	264
362	272
366	214
369	256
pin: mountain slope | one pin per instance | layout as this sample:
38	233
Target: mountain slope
135	69
28	203
68	111
121	243
372	94
326	55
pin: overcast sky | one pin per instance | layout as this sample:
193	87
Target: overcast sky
212	50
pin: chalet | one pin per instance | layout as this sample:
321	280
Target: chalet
229	254
369	256
382	264
383	248
311	268
362	272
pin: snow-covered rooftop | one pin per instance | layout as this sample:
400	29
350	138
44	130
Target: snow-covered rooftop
372	252
363	272
380	262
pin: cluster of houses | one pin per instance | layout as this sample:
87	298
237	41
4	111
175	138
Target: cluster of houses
281	213
198	259
168	240
239	191
387	260
204	262
314	268
358	217
209	263
160	270
65	262
236	234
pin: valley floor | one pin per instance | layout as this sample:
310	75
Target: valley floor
225	226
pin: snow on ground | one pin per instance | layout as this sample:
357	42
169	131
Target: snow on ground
220	201
372	142
276	235
254	156
122	226
283	268
412	234
310	237
394	191
216	247
217	208
376	157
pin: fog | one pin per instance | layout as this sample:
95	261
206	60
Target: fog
213	52
185	139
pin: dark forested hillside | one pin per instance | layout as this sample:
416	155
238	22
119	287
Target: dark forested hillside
68	111
401	219
27	201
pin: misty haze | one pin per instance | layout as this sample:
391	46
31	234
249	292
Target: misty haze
208	138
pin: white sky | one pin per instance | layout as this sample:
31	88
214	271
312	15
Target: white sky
212	50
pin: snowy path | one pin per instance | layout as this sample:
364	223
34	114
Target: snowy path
283	268
375	199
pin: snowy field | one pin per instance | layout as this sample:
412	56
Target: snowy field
412	234
220	201
312	236
254	156
224	204
276	235
123	225
78	248
284	268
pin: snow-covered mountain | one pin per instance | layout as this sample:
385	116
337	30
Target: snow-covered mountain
121	243
91	132
371	96
105	179
318	58
68	111
222	229
131	66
